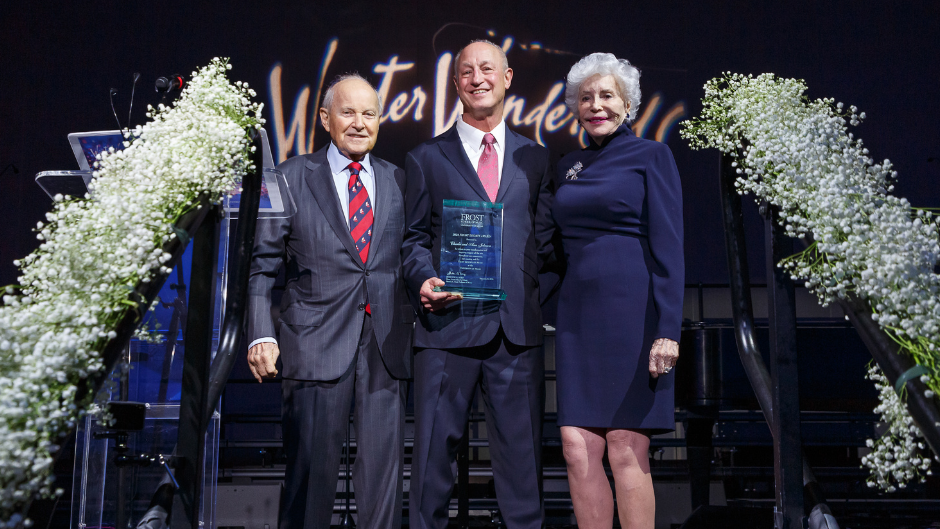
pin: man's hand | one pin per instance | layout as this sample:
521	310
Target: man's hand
663	356
436	300
261	359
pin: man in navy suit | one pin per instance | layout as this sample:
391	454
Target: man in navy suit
345	321
460	344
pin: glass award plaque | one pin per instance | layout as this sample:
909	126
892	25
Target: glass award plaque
471	249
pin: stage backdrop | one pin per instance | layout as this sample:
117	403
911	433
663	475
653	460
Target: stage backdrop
57	64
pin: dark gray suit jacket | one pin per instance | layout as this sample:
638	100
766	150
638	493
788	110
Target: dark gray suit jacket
438	170
327	286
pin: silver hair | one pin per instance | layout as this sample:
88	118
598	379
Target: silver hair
328	97
625	74
502	55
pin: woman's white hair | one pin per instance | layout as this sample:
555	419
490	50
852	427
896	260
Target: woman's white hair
625	74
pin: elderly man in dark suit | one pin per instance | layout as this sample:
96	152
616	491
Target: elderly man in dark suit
345	322
460	344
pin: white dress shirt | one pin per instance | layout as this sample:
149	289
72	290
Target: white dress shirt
339	169
472	140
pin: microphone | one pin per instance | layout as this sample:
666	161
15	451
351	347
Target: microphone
133	88
113	92
169	84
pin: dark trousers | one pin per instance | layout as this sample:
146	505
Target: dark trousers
315	415
513	388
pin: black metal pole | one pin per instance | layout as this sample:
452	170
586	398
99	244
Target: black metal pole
703	412
740	281
893	363
781	312
191	440
177	320
236	299
161	505
120	516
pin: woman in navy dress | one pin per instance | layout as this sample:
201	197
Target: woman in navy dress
619	212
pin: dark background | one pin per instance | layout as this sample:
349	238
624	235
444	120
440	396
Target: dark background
57	63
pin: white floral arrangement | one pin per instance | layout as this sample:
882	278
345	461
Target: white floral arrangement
80	282
898	456
798	155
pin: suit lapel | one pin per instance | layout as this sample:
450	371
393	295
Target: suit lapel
383	189
455	154
510	165
320	181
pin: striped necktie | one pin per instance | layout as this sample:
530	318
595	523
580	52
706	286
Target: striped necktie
360	212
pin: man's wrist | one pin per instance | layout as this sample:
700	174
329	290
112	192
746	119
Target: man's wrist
266	339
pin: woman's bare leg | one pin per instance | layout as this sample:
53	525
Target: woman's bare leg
628	453
590	491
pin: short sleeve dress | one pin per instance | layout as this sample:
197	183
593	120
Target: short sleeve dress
619	211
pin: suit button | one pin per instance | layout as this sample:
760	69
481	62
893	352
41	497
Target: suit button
367	272
362	306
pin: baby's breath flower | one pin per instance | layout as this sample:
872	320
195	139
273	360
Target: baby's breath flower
73	290
899	442
798	155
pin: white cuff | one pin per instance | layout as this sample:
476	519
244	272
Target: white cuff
266	339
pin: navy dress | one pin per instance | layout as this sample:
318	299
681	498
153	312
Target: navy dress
620	219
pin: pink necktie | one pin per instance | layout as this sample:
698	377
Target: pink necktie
488	168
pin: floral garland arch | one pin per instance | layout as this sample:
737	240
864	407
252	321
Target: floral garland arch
798	155
95	252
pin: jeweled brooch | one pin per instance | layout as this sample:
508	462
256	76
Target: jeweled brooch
572	173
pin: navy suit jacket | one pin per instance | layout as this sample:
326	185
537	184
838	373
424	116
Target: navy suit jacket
327	284
439	170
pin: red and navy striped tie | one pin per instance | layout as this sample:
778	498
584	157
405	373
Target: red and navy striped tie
360	212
